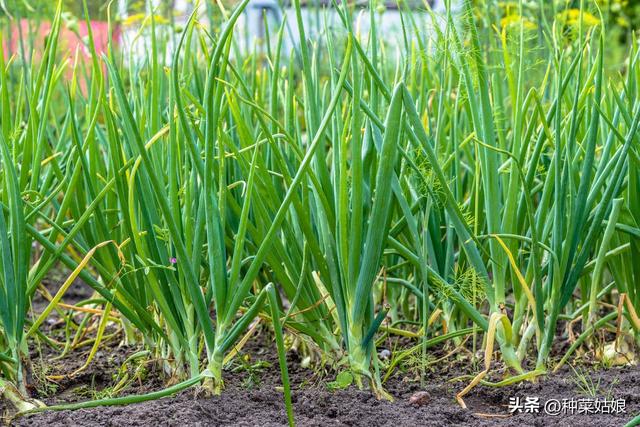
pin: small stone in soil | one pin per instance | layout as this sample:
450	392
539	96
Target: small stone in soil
420	398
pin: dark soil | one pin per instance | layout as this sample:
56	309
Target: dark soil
252	396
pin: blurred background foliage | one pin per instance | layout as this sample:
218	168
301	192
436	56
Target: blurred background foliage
43	9
621	18
623	15
98	9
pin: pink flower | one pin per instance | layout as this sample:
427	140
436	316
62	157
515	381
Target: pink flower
173	260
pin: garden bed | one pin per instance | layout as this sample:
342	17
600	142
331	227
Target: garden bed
252	398
446	216
252	395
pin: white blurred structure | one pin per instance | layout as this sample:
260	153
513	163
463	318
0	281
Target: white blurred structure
136	35
318	17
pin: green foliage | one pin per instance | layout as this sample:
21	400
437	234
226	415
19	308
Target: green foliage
460	183
343	380
45	9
